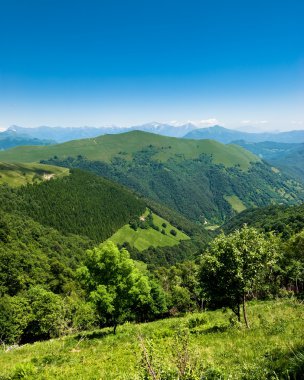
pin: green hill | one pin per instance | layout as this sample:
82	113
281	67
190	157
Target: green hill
125	145
22	174
204	180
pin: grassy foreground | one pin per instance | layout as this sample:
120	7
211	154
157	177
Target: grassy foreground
229	351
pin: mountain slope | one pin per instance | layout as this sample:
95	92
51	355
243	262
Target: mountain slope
286	156
292	162
204	180
226	135
281	219
125	145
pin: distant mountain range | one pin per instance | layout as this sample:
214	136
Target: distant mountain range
11	138
188	130
63	134
227	136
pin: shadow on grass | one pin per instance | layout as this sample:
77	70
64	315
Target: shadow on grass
287	364
210	330
94	334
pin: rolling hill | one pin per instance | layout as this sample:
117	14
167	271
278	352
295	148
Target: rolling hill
125	145
205	180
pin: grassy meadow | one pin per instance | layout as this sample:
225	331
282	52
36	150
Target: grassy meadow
15	175
215	347
142	239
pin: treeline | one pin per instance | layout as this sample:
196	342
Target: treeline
196	188
80	203
283	220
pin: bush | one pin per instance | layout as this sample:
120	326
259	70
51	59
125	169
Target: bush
15	314
47	314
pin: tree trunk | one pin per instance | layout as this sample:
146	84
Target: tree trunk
114	330
245	312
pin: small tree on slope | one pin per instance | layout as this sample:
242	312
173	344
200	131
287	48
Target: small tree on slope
237	265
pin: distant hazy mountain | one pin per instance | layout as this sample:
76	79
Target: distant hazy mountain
10	139
165	129
189	131
226	136
63	134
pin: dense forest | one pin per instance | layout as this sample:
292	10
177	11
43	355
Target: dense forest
80	203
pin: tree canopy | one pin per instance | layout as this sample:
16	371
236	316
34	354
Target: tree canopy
117	287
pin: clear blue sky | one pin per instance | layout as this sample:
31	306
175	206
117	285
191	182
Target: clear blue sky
76	62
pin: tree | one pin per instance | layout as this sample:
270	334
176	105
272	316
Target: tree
293	262
116	285
237	265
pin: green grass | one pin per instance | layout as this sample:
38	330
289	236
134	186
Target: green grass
142	239
235	352
235	203
21	174
104	148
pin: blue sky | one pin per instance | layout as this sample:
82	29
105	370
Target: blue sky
74	63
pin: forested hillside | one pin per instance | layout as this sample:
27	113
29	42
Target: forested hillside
32	254
281	219
196	188
80	203
288	157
